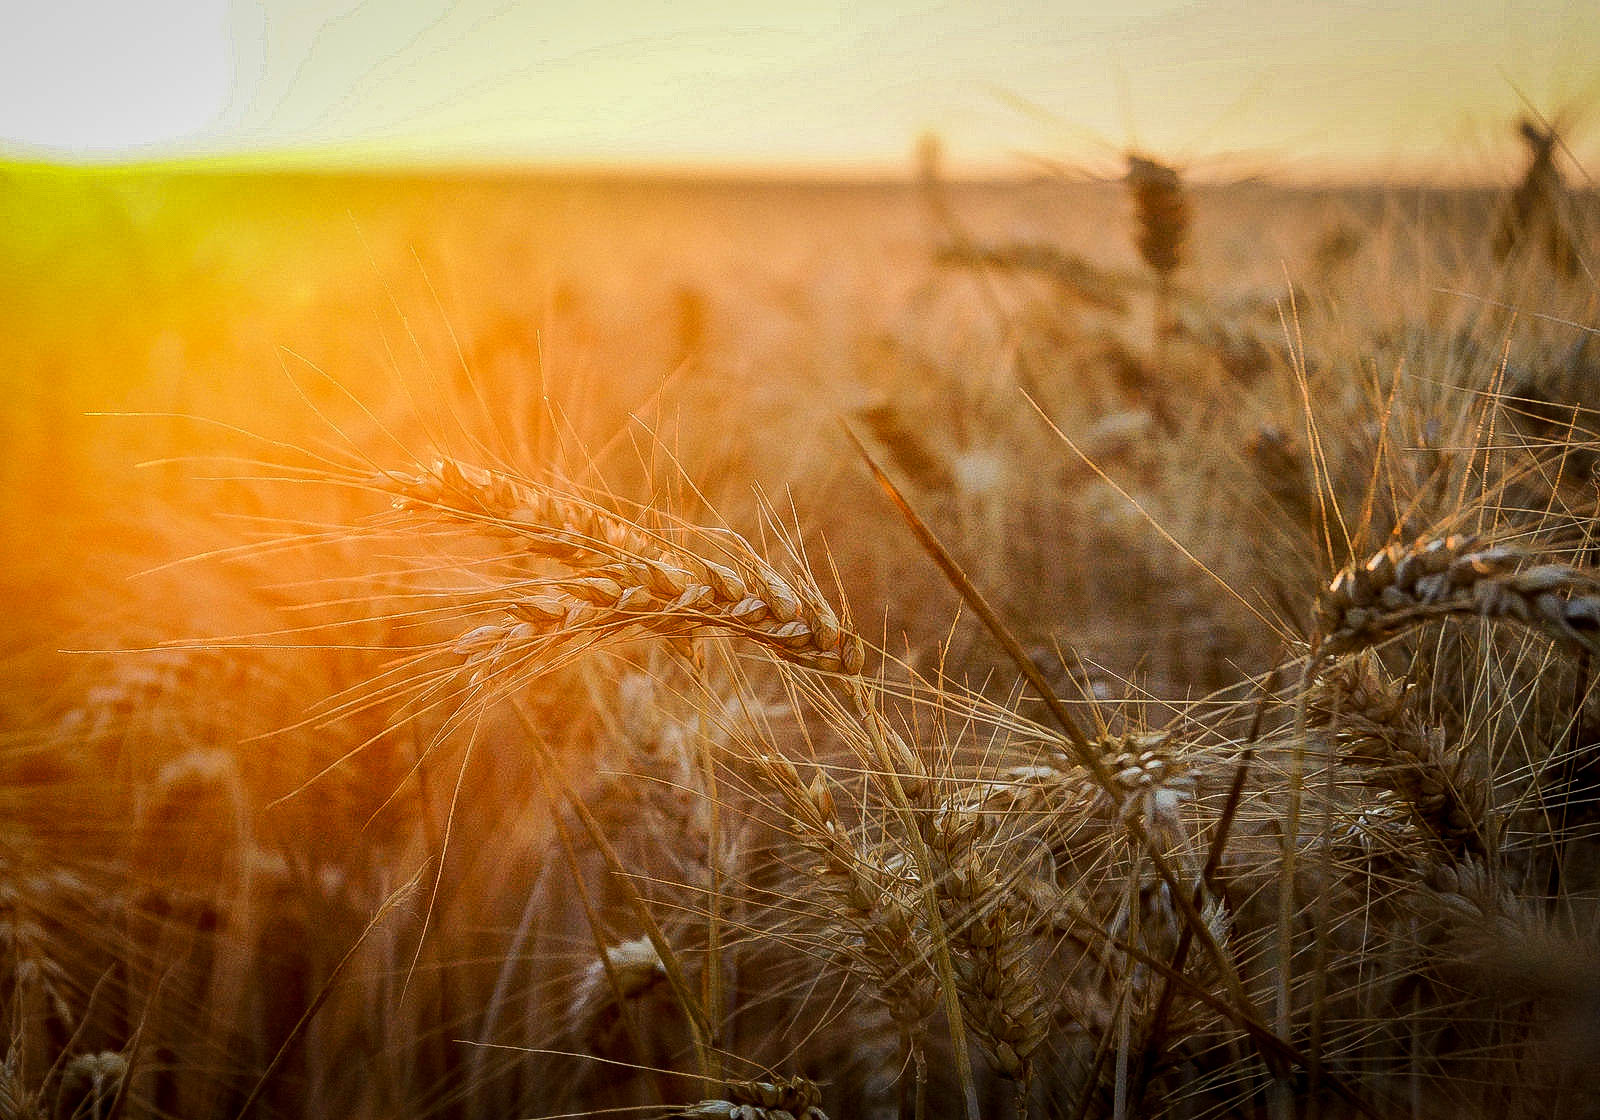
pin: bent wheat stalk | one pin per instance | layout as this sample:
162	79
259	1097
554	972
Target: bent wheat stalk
620	578
617	579
1082	750
1405	585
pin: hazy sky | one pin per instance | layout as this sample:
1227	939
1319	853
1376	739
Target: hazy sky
1297	86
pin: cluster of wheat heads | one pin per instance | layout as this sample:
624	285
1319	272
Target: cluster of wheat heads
611	809
801	886
748	872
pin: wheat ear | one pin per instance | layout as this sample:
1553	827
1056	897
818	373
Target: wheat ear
788	1098
1406	585
886	943
620	579
1375	731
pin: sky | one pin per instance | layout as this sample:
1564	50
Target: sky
1243	86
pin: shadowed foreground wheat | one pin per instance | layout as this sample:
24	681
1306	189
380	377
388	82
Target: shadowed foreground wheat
1053	964
533	797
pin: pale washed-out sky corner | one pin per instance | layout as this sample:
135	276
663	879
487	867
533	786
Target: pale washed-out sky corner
1298	86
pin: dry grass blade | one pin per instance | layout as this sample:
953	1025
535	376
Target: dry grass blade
1156	1036
321	998
693	1013
1083	751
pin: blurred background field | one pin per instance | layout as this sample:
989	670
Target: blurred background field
762	312
229	744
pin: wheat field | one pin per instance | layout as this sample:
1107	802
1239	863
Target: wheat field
491	645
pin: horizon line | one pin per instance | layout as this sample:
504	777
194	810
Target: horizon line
1309	174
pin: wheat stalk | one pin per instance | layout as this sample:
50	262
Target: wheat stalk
1405	585
1161	215
619	580
17	1102
90	1085
1536	207
1161	210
